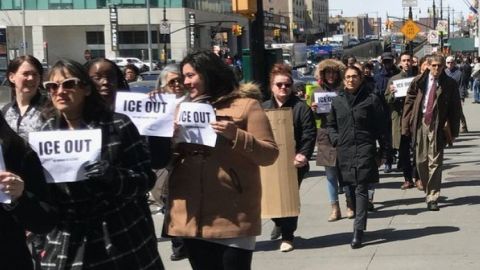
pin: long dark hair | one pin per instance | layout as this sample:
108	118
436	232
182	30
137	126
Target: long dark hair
17	62
94	106
218	77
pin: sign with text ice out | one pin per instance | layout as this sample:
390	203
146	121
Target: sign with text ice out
65	153
401	87
194	124
324	101
152	117
4	198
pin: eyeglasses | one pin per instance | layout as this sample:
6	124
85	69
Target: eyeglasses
353	77
67	84
287	85
173	82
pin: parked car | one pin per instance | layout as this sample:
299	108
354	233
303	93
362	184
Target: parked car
123	61
150	75
142	86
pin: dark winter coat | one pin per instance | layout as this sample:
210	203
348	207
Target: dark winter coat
354	129
32	212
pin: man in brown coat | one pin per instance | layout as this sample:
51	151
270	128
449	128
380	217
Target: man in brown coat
432	101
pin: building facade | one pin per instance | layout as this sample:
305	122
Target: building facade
55	29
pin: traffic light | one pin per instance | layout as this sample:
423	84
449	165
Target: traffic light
276	32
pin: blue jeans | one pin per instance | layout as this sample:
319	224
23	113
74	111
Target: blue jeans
332	183
476	90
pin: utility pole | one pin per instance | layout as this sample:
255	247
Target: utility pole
257	48
164	20
441	33
24	40
149	37
410	17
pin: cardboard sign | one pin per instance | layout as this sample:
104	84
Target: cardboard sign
280	195
65	153
324	101
194	124
151	117
4	198
402	86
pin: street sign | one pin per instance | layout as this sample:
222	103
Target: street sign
432	37
410	30
164	28
114	27
409	3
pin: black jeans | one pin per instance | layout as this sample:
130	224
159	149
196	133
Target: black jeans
204	255
288	225
359	195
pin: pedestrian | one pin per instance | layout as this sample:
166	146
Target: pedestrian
105	221
387	71
454	72
131	73
329	74
30	207
23	113
305	132
432	100
400	143
214	193
169	82
355	123
108	79
476	79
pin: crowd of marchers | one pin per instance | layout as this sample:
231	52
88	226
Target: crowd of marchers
212	194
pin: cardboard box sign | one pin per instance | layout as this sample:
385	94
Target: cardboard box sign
280	196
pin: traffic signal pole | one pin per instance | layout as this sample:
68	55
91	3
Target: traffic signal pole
257	48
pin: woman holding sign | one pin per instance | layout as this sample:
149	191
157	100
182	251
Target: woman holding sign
354	125
329	74
25	204
215	192
105	222
304	134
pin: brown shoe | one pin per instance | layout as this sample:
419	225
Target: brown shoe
407	185
335	214
419	185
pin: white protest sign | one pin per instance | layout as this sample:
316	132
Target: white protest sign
324	101
65	153
152	117
194	124
4	198
401	86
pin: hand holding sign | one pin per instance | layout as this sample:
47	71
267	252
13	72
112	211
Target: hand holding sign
194	124
401	86
324	101
226	128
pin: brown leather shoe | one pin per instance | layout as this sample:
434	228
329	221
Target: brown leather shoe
419	185
407	185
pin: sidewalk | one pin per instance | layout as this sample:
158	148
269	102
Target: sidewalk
401	233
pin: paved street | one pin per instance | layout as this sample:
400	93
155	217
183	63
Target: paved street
401	234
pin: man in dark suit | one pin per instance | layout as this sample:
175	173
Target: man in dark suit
431	114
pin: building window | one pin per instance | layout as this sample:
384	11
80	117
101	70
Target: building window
95	38
135	37
60	4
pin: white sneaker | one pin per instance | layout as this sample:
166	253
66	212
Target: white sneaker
286	246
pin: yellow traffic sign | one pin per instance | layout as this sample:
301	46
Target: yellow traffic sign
410	30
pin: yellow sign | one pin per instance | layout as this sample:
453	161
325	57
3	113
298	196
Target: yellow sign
410	30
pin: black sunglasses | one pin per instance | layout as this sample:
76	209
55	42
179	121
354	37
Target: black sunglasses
67	84
173	82
287	85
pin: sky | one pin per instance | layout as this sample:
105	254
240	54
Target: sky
393	7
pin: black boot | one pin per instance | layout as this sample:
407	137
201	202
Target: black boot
357	239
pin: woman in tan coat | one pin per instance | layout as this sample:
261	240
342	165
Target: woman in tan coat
215	192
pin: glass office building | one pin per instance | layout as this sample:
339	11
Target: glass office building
222	6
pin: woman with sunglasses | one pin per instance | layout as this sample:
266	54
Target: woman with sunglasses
25	78
305	133
105	222
354	124
215	192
